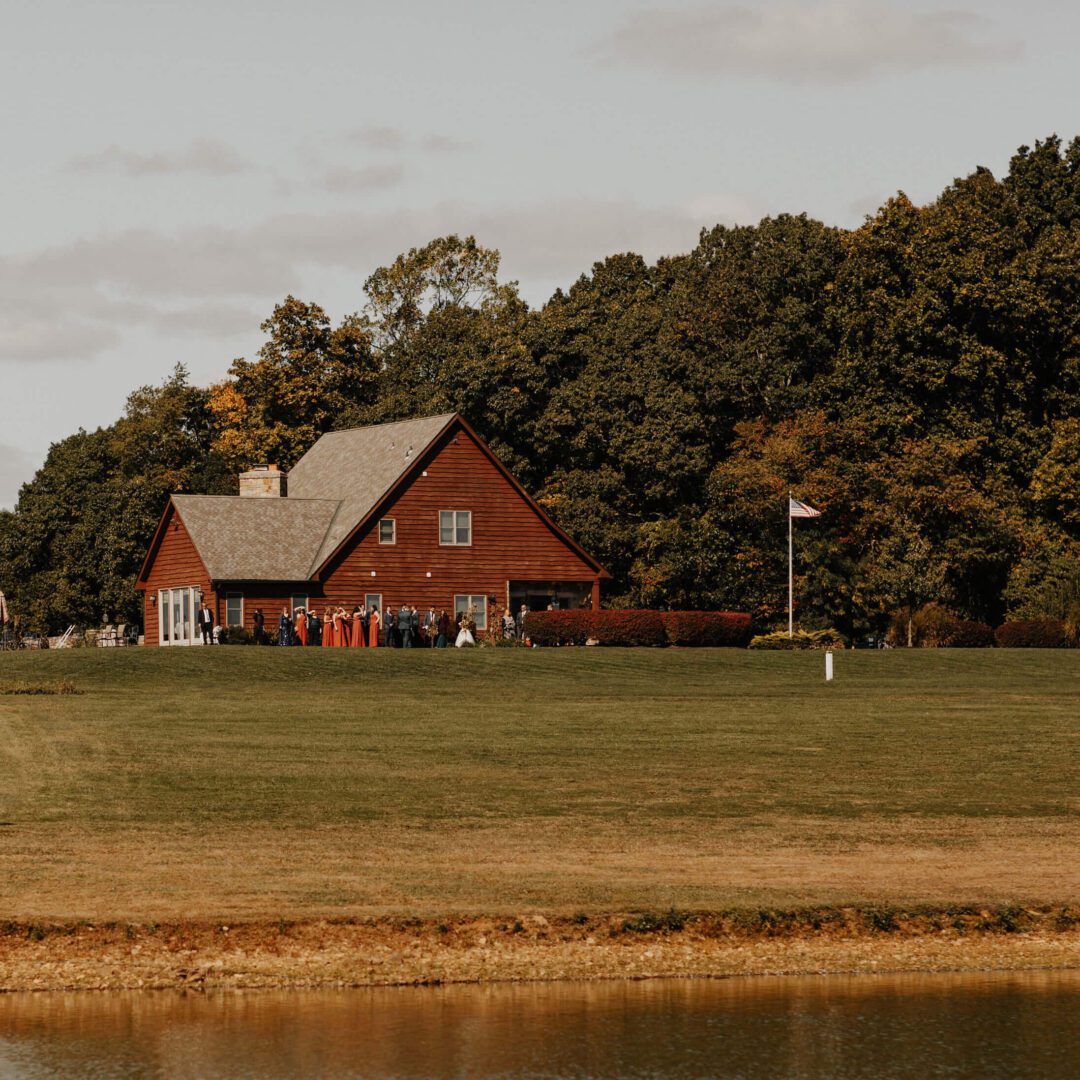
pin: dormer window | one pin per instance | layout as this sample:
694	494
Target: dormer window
387	531
455	528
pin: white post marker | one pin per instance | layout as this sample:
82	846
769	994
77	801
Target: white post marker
828	667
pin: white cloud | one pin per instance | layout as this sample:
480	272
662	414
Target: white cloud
368	178
445	144
77	301
378	137
205	156
825	41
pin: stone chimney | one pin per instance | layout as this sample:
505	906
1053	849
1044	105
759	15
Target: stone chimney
264	482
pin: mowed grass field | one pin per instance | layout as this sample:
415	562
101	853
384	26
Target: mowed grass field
244	783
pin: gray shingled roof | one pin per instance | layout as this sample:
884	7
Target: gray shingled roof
332	488
256	539
356	468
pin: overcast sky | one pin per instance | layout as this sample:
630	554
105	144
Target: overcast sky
171	170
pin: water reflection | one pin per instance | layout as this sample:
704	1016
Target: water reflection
986	1026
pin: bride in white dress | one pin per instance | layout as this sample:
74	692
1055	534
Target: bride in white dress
465	637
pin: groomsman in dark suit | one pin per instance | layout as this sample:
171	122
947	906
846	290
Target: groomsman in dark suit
206	624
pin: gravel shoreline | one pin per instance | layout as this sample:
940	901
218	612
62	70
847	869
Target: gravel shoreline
45	956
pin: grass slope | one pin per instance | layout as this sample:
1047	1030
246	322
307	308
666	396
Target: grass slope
249	782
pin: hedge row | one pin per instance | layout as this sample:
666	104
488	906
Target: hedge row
688	628
1032	634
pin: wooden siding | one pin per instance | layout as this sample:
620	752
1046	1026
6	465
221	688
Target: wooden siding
510	542
175	565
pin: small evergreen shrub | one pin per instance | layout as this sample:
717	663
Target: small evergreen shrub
706	628
236	635
1032	634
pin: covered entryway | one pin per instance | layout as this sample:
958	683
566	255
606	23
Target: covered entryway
540	595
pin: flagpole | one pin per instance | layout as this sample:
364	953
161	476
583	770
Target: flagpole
790	577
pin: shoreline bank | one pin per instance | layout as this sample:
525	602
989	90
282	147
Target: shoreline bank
313	953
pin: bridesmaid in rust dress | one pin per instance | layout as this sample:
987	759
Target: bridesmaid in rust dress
341	628
301	625
328	628
356	631
374	622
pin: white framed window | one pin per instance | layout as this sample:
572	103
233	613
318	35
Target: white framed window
478	602
455	528
234	609
388	531
178	616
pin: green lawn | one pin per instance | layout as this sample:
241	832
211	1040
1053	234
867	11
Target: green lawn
310	781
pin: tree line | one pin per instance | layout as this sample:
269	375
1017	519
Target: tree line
916	378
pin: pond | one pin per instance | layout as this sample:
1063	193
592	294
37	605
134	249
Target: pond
984	1026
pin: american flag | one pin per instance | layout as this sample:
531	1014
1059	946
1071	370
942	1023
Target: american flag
800	509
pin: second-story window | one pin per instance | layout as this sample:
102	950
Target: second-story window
455	527
387	531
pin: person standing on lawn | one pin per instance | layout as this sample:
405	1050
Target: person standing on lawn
206	624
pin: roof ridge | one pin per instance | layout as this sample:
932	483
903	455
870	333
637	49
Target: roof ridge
388	423
252	499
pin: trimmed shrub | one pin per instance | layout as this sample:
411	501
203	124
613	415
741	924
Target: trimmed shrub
1032	634
801	639
578	626
627	627
706	628
236	635
558	627
967	634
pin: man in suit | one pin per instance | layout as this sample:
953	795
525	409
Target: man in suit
206	624
405	626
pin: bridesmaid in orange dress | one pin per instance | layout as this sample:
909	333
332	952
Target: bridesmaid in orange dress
374	622
301	625
328	628
356	633
341	628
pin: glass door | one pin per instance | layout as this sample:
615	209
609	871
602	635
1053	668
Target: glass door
177	623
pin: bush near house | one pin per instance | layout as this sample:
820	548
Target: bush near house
638	628
934	626
706	628
1032	634
558	627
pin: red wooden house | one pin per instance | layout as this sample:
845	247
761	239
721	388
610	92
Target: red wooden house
418	512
